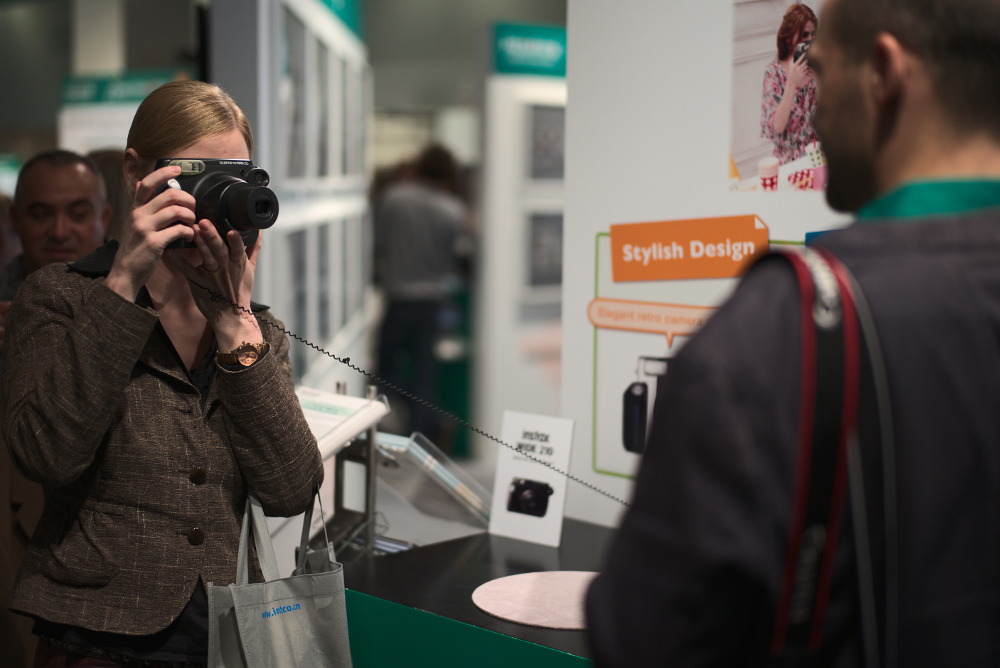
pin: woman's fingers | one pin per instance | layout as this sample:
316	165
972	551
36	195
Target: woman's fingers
217	251
162	213
156	221
226	271
235	248
214	251
161	221
798	73
208	259
152	226
206	276
253	251
217	257
172	233
150	184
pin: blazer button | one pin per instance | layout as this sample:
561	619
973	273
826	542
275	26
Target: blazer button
199	476
196	536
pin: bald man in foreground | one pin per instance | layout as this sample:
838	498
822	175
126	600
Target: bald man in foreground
60	214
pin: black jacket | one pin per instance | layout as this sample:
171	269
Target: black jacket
692	577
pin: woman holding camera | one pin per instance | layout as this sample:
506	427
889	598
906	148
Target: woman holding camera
789	99
148	411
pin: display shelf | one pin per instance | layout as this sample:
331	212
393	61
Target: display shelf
405	461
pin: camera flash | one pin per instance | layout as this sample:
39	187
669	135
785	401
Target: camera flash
172	183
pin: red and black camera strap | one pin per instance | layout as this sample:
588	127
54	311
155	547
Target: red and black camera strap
840	439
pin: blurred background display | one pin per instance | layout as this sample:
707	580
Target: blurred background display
548	125
342	95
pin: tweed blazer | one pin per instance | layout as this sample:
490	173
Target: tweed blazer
144	490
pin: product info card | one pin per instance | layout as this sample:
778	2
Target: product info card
528	496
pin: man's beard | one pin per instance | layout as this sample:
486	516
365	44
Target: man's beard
850	178
845	133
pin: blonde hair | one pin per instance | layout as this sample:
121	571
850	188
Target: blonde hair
180	113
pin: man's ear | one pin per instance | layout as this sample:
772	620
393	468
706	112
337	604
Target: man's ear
890	83
890	65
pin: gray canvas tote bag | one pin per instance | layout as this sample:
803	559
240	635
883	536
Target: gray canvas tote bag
298	621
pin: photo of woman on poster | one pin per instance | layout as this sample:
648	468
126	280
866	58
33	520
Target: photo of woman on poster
789	98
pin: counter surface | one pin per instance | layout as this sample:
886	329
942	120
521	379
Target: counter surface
440	578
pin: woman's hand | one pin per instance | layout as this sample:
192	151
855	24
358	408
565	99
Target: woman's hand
155	222
799	74
227	269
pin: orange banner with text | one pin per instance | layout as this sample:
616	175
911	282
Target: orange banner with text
678	249
668	319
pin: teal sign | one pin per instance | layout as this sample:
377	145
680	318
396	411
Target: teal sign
348	11
127	88
521	49
10	162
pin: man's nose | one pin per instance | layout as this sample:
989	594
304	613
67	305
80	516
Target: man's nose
62	225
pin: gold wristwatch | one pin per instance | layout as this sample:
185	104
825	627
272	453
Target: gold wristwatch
245	354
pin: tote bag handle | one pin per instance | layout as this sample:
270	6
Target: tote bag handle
262	538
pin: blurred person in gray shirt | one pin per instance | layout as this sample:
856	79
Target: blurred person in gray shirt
421	234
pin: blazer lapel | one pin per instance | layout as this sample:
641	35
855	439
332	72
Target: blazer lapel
161	360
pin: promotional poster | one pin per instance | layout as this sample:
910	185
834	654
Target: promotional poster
664	219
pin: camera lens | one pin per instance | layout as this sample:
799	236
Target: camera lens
251	208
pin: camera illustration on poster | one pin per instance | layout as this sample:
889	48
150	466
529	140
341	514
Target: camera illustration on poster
529	497
637	403
657	283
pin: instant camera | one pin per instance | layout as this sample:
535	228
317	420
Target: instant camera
233	194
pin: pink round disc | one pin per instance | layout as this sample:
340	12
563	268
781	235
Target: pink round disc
550	599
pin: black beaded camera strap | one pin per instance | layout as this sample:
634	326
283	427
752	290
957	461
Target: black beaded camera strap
346	361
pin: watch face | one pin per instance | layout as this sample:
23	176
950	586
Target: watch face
248	357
